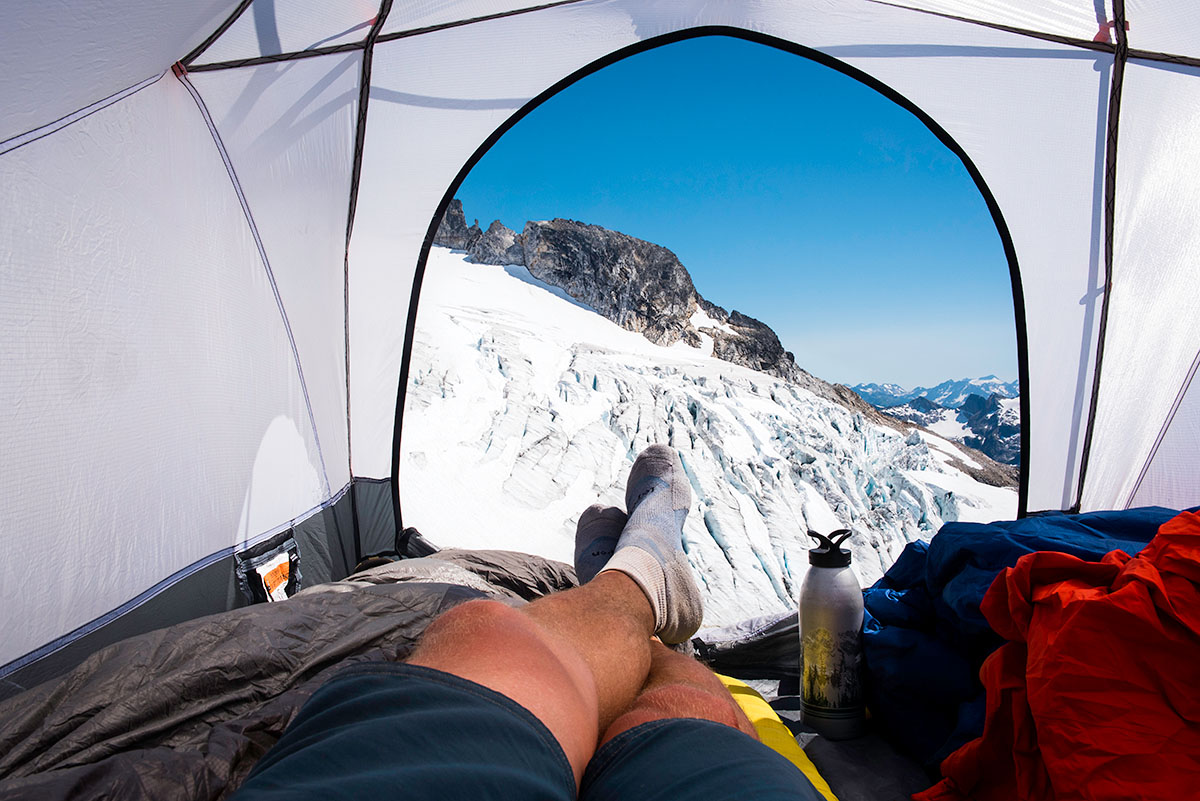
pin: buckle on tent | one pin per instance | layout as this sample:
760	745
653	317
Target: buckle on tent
1105	32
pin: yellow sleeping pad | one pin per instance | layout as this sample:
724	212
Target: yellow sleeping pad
773	733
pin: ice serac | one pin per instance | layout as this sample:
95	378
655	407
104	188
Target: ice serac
524	408
453	232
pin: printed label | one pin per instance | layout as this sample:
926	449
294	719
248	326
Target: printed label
274	575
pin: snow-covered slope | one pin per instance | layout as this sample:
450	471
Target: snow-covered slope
524	407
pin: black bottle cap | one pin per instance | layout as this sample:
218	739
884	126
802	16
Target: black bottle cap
829	553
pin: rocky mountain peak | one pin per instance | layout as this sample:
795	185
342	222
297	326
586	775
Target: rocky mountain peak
640	286
498	245
923	404
453	232
636	284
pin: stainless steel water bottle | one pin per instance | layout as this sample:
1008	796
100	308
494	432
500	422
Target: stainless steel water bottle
831	616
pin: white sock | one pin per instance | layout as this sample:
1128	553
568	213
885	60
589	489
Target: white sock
650	550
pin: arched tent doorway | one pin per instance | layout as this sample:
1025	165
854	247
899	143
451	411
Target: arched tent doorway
665	41
528	515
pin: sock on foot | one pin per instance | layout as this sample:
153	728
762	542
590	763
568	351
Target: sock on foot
596	538
650	550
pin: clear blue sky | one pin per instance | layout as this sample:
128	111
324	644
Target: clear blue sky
791	192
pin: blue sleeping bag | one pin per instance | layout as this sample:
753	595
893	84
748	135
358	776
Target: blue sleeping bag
924	638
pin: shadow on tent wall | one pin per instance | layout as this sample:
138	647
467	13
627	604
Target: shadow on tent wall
328	548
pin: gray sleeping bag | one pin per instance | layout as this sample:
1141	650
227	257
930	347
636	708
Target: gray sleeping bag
184	712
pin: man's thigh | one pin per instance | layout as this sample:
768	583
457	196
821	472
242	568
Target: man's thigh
682	759
380	730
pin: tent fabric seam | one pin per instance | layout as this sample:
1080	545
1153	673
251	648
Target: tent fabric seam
42	131
1162	434
394	35
1110	205
161	587
1102	47
1086	44
346	47
262	252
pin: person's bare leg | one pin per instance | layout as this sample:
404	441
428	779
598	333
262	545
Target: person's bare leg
678	686
575	659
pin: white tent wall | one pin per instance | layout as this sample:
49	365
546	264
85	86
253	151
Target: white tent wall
1153	331
417	16
1030	115
1164	26
1170	479
1077	20
60	56
289	130
271	27
151	407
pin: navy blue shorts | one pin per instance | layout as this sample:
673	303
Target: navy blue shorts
384	730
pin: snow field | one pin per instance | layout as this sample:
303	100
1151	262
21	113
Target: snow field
525	407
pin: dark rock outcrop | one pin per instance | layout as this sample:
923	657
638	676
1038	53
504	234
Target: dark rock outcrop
498	245
643	287
923	404
995	430
636	284
753	344
453	232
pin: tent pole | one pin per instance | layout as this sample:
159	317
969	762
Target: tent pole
1120	56
360	135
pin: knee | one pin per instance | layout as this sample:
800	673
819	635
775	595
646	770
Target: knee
473	621
681	701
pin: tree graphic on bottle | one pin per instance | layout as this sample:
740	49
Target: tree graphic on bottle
831	675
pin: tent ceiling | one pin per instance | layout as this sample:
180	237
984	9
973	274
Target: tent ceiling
1079	20
272	27
60	56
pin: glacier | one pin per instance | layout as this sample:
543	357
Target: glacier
524	407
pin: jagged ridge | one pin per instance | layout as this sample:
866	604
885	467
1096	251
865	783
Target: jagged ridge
643	287
639	285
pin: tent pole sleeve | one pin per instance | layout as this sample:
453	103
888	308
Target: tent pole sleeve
360	136
1121	55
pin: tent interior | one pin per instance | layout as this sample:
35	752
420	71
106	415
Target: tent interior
217	218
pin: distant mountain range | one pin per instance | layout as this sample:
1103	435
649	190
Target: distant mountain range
982	413
949	394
